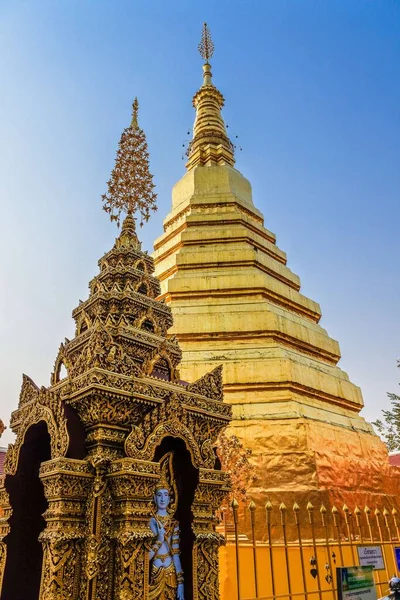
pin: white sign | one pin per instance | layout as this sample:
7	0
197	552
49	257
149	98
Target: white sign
371	555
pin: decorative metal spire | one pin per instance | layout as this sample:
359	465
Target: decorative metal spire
210	144
135	111
130	188
206	46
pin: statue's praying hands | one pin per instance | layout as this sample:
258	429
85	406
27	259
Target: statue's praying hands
160	532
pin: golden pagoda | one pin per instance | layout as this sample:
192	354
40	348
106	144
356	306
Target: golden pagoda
236	302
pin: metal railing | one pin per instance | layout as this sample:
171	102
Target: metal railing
301	549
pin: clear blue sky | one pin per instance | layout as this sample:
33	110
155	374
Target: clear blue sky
312	89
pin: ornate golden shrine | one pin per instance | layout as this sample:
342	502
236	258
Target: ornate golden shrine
88	448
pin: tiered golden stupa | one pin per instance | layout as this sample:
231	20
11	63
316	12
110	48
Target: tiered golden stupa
236	302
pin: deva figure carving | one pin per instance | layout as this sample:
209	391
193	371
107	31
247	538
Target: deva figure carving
166	575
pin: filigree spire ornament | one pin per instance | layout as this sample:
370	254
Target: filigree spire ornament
131	187
206	46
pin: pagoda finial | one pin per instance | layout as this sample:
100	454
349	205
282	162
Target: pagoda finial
210	144
131	187
135	111
206	46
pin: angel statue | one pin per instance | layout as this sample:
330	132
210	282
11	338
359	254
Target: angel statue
166	575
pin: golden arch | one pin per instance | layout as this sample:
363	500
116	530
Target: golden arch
140	265
83	325
175	428
60	361
151	319
59	437
141	285
174	373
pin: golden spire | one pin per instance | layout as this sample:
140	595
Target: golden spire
131	187
135	111
210	144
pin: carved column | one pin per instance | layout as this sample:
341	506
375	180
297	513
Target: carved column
5	514
67	483
132	483
106	419
99	551
212	487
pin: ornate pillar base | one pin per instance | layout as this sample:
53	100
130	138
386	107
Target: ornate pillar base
212	487
67	484
132	482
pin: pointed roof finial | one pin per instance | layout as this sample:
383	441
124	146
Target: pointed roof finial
131	187
210	144
135	110
206	46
